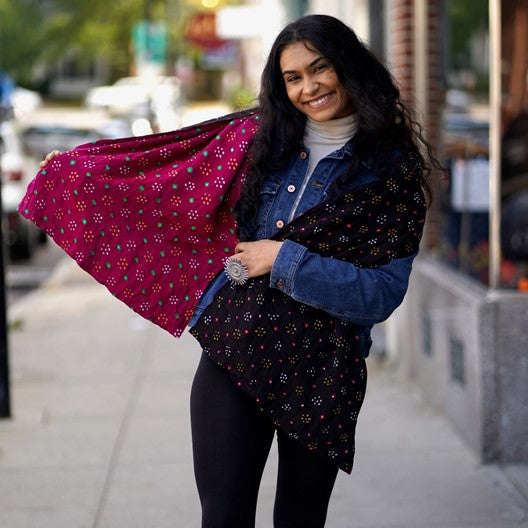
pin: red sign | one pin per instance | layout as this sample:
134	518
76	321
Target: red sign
200	30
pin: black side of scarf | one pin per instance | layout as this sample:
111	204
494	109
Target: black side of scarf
304	367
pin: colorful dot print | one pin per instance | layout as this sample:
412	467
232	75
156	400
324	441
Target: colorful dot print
305	368
148	217
151	219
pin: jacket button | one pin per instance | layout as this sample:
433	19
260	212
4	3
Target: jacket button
303	155
291	188
280	283
279	224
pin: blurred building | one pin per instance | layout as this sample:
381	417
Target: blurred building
462	333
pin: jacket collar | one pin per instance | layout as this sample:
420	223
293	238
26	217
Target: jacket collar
346	150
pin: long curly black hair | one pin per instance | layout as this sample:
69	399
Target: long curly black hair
383	120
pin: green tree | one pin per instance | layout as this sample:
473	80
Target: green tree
22	37
38	33
99	29
466	17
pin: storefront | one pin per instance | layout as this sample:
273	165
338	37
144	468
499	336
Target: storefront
462	333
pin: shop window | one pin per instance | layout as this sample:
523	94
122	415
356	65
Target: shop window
465	132
464	199
514	155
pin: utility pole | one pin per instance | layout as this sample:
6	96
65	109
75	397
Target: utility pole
147	19
5	405
147	11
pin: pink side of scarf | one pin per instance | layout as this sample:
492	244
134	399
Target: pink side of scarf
150	217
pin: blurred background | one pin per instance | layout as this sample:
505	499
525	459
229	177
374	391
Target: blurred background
73	71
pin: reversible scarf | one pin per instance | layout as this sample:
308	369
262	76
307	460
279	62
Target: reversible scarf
149	217
305	368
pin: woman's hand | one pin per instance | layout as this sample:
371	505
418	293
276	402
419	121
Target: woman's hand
258	256
49	157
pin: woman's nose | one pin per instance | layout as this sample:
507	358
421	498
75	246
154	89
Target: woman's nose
310	86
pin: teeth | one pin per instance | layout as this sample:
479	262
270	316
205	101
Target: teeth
319	101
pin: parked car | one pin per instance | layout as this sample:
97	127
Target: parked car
65	128
23	143
24	101
17	169
158	98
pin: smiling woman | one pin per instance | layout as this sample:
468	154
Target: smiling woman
326	181
312	84
329	219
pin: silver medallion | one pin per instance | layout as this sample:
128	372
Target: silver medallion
236	271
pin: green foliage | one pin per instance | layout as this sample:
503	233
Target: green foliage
242	98
22	37
98	29
37	33
465	18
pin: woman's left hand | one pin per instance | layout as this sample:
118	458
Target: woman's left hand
258	256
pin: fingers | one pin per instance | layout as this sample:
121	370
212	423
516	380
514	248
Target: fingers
52	154
258	256
49	157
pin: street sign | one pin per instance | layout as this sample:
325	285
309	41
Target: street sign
200	31
150	41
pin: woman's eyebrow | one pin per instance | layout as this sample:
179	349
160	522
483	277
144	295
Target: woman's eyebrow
313	63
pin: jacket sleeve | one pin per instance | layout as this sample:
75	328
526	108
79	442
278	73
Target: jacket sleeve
359	295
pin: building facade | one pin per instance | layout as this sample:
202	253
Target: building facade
462	331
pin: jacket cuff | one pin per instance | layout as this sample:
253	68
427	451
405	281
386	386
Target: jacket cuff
285	266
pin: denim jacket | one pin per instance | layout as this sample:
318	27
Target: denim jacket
362	296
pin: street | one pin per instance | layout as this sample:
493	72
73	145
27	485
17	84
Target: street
392	136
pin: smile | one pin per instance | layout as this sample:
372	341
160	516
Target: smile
316	103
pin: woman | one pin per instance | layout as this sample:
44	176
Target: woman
329	222
330	119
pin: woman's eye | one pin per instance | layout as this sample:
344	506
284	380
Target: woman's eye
292	78
320	67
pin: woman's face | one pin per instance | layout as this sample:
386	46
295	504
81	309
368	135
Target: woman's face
312	84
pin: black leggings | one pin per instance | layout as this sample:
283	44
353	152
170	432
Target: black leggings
231	442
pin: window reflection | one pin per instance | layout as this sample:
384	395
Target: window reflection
514	158
465	198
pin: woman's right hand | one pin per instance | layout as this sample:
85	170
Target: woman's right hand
49	157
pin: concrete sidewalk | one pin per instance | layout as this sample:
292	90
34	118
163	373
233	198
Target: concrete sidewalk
100	433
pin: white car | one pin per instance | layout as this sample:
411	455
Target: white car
158	97
17	169
63	129
24	101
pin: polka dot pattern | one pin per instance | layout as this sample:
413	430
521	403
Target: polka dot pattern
305	368
148	217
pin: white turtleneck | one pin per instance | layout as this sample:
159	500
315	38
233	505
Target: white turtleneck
323	138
